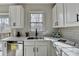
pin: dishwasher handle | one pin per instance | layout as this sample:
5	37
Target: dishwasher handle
19	43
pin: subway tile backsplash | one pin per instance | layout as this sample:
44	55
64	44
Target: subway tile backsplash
71	33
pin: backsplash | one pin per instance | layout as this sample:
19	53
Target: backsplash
4	35
71	33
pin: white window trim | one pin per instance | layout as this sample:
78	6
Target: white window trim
44	21
7	29
36	12
4	13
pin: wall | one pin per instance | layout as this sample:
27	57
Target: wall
4	8
47	8
71	33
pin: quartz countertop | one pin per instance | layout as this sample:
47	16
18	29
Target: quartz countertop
66	48
21	39
71	51
14	39
55	41
61	45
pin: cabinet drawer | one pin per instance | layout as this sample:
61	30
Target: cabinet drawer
41	43
28	43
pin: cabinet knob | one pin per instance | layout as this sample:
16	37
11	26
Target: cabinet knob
5	44
14	24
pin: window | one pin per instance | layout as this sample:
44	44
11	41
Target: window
37	22
4	22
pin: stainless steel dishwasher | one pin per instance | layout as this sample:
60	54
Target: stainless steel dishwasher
15	48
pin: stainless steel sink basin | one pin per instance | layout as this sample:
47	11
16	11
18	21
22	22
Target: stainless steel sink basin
35	38
61	40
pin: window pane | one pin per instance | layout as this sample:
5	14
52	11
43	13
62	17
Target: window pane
36	17
39	26
4	22
0	20
36	22
33	26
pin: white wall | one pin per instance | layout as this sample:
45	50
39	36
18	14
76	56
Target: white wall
71	33
47	8
39	7
4	8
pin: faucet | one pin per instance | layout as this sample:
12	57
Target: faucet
75	43
36	34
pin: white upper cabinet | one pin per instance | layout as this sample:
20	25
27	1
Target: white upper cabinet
55	22
58	18
65	15
16	14
71	14
60	15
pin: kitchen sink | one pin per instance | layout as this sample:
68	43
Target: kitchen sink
34	38
62	40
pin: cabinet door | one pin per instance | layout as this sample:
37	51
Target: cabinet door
4	47
41	50
60	14
29	50
55	21
18	20
12	15
19	15
53	51
71	12
1	49
16	16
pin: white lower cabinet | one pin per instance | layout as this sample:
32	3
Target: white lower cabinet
4	47
1	49
28	50
53	51
41	51
35	49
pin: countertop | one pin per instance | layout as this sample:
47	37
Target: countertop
65	47
21	39
14	39
62	45
71	51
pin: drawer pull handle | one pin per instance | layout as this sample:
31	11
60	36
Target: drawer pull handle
37	49
34	49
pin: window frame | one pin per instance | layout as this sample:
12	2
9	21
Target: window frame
5	14
36	12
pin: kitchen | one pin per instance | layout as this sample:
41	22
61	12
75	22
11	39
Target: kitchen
49	29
